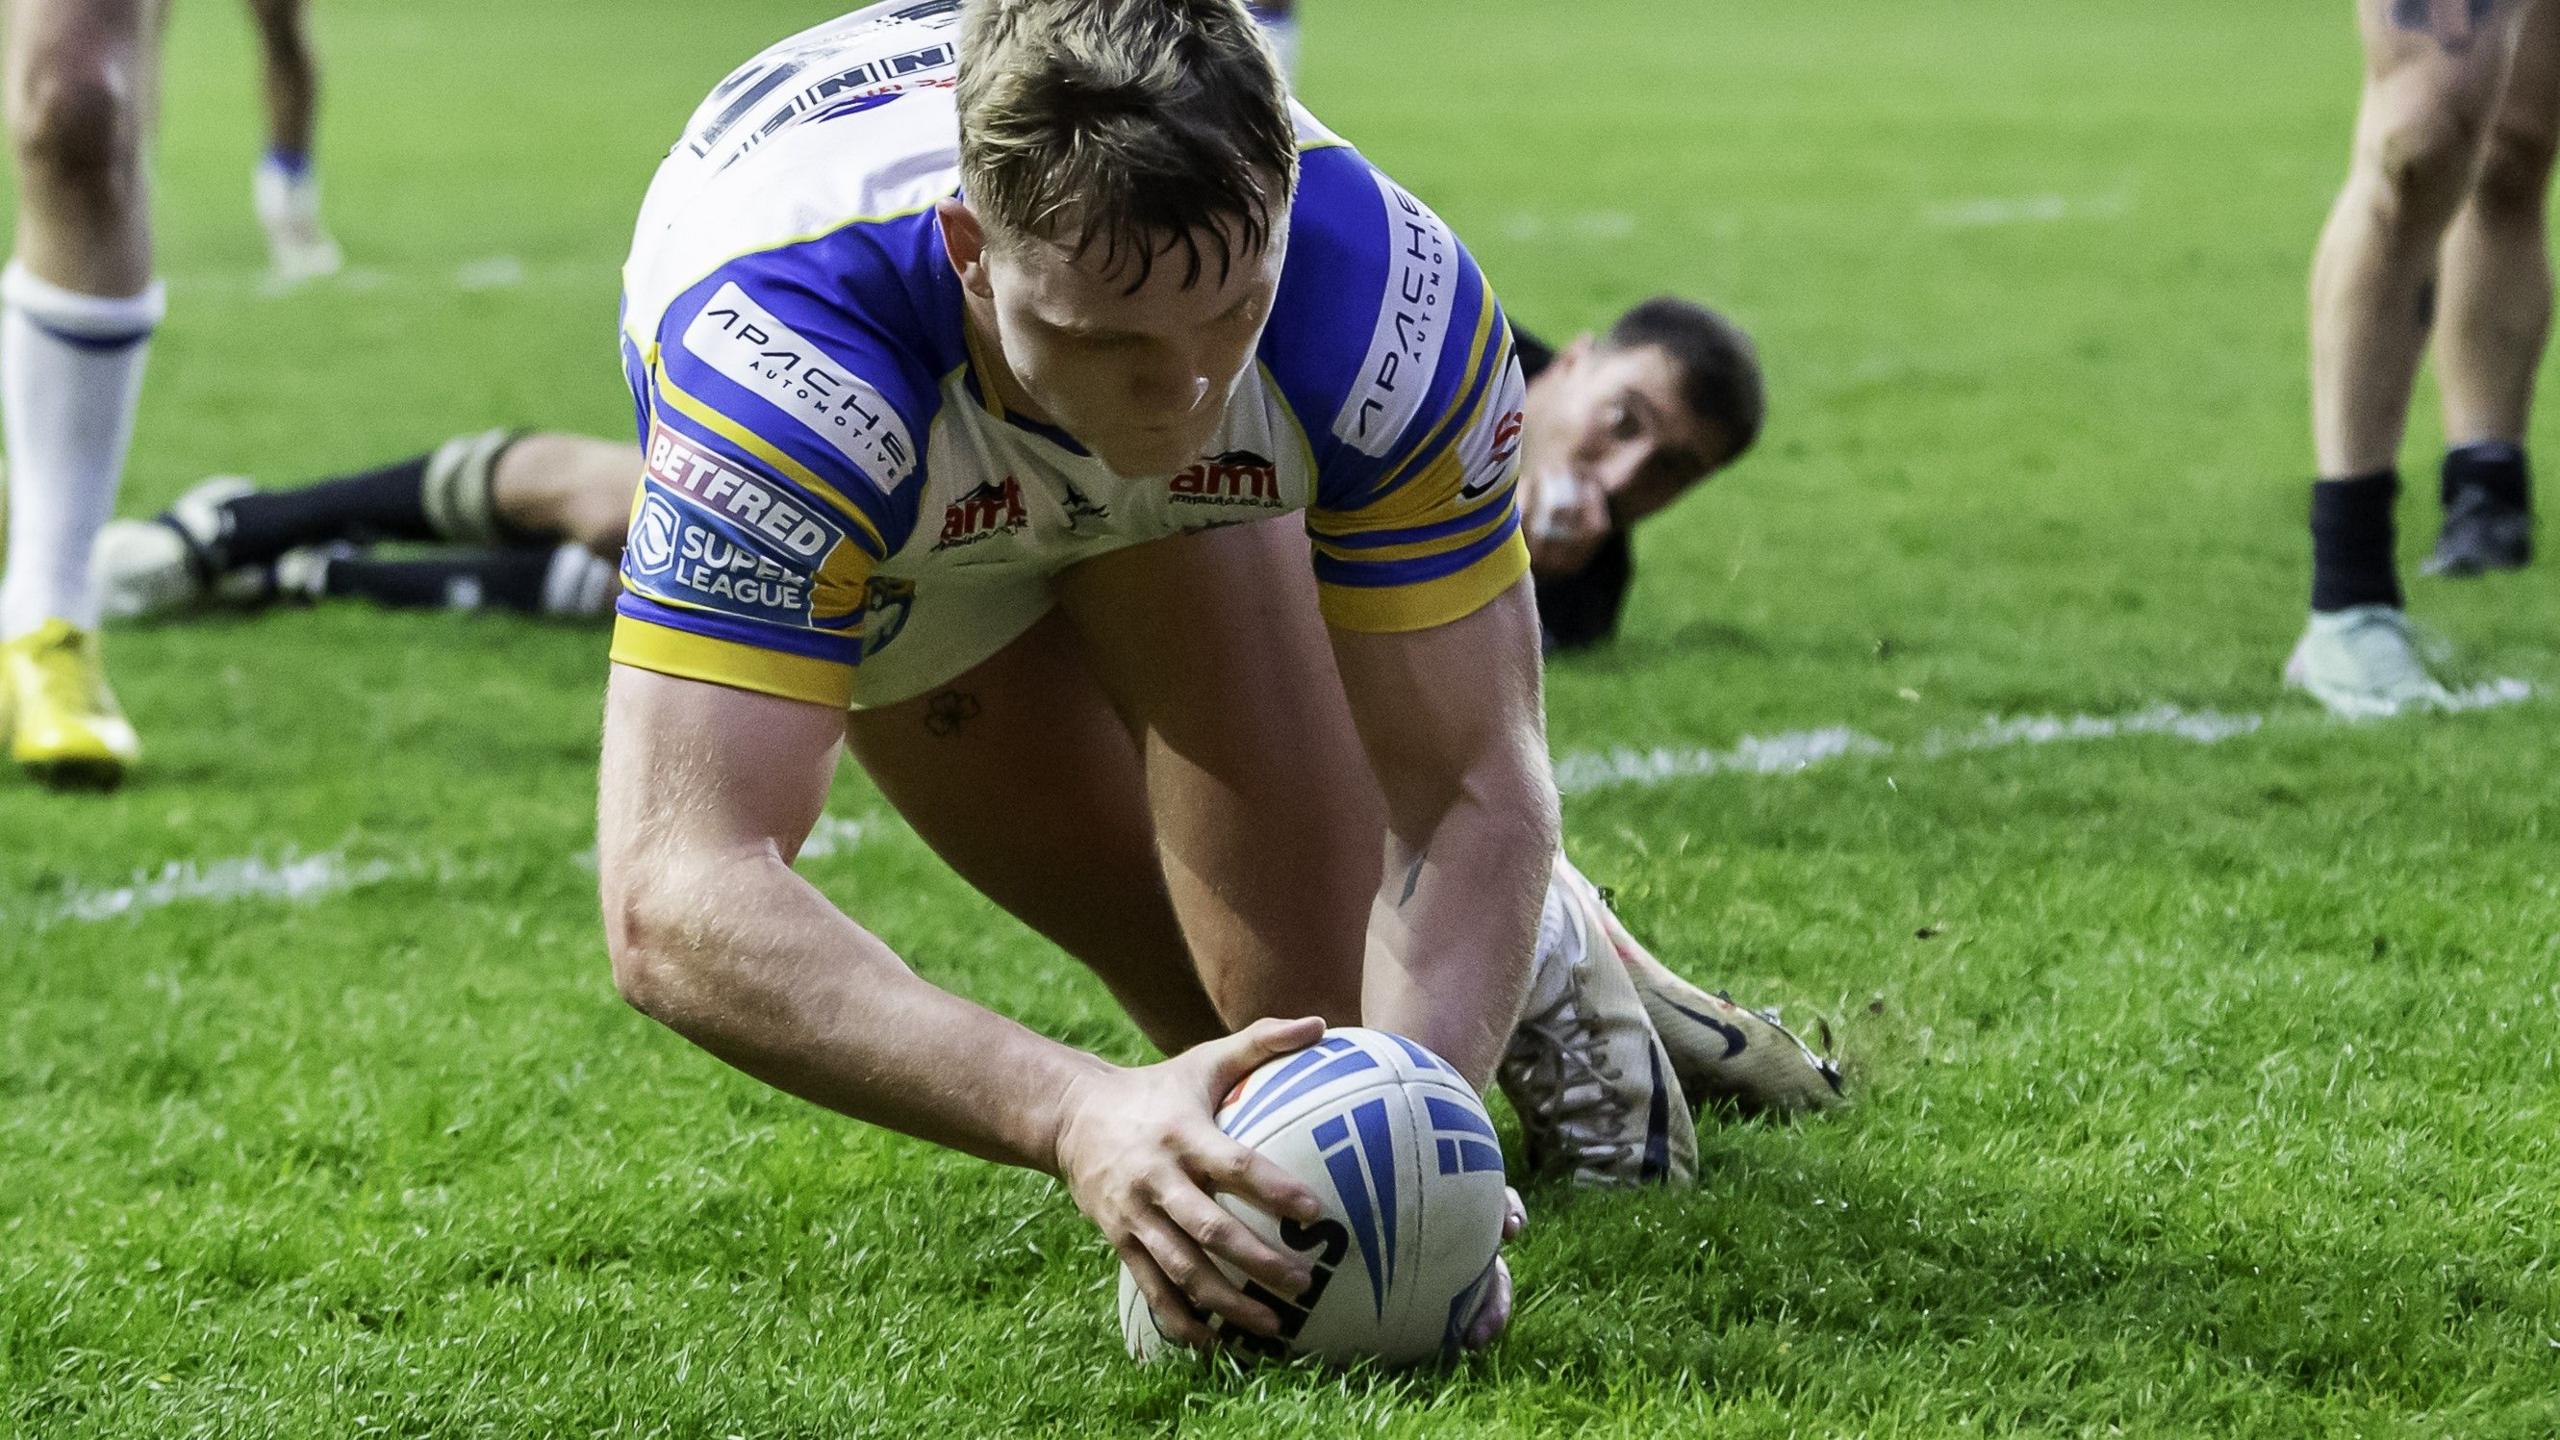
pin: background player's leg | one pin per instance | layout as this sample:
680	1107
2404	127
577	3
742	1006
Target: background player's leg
2433	75
1021	776
286	188
568	487
1267	818
2494	314
80	306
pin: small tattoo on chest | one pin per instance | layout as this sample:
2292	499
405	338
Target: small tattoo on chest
949	712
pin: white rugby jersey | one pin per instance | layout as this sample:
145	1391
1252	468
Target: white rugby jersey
820	443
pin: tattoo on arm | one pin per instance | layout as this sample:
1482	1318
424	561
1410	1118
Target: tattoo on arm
1412	878
949	712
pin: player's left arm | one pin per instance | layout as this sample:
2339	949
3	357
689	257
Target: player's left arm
1454	722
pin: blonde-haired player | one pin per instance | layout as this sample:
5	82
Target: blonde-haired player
1041	407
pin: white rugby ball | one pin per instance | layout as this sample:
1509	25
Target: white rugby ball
1398	1147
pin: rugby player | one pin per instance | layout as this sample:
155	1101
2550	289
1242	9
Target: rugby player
1616	427
2440	226
78	305
963	387
285	188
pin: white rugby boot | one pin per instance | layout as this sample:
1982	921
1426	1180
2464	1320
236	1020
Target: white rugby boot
1596	1092
299	248
172	563
2362	663
1726	1055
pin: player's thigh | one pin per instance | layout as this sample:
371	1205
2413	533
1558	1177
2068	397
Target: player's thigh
81	67
1265	809
2527	123
2434	73
1020	775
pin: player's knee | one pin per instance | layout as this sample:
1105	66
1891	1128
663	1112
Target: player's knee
78	121
2421	168
2515	171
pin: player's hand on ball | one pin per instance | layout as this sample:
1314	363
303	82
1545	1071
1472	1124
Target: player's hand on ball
1142	1154
1493	1316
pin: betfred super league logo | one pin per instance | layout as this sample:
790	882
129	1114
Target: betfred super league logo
991	509
1235	477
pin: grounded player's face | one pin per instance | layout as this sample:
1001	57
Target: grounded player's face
1608	442
1140	378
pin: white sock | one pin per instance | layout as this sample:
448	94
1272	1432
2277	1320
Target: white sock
70	376
1560	946
579	585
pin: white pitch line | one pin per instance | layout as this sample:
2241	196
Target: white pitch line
1991	212
298	879
1792	752
295	879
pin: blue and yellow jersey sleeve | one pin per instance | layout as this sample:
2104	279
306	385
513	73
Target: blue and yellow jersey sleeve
783	439
1395	358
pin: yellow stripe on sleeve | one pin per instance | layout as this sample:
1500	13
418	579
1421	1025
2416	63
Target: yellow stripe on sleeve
695	409
668	651
1391	609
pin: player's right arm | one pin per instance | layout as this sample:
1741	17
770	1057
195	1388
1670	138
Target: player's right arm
707	793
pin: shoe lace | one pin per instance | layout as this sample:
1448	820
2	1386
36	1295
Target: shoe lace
1557	1055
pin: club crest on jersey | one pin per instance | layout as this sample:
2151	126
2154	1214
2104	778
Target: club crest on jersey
990	510
751	346
886	604
1233	477
798	527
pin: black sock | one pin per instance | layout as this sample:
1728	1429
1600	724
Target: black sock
380	504
2494	467
2352	541
455	580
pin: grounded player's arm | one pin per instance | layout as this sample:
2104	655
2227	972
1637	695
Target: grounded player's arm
1452	721
706	795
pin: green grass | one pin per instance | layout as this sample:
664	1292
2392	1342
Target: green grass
2218	1098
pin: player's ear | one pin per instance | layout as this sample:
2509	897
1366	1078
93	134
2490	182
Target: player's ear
1576	351
964	239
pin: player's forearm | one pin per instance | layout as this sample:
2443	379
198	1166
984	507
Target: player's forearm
1456	921
762	971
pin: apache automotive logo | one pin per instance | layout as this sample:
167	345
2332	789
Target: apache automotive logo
1413	321
753	504
750	345
1236	477
990	510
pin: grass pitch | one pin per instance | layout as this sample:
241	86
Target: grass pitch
2206	1089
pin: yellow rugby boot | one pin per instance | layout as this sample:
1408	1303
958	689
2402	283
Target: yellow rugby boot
64	724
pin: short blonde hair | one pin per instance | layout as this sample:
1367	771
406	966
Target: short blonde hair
1136	125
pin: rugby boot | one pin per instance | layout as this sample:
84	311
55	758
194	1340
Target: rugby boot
2482	532
64	724
173	563
2362	663
1726	1055
1595	1090
299	247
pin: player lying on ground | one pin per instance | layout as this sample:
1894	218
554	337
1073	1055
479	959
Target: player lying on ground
1616	427
2440	226
978	489
77	309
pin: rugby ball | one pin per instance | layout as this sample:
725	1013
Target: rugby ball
1398	1147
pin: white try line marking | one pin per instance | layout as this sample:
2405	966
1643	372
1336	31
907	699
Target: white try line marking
293	878
1795	751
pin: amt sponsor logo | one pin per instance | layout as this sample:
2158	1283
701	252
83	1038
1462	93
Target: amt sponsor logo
1230	478
990	510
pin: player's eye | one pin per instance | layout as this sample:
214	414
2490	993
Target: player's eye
1623	424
